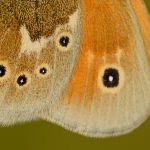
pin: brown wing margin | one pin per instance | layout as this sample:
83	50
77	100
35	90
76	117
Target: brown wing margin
144	22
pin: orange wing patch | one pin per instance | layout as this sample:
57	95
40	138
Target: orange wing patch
107	41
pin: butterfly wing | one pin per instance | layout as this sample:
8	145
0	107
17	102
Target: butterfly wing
144	22
108	93
39	45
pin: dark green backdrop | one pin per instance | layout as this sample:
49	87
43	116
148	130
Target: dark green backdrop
46	136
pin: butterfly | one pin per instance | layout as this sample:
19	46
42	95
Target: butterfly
81	64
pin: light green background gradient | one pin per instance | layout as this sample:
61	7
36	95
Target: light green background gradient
46	136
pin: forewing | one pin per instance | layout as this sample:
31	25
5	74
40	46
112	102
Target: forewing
108	93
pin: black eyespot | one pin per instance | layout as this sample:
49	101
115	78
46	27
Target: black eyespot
64	41
2	70
43	71
111	78
22	80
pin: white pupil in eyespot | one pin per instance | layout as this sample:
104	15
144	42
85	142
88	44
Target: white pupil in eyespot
111	78
21	81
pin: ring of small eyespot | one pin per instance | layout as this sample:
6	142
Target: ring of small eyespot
22	80
43	70
111	78
64	41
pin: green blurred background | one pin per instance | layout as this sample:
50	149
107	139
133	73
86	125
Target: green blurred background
45	136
